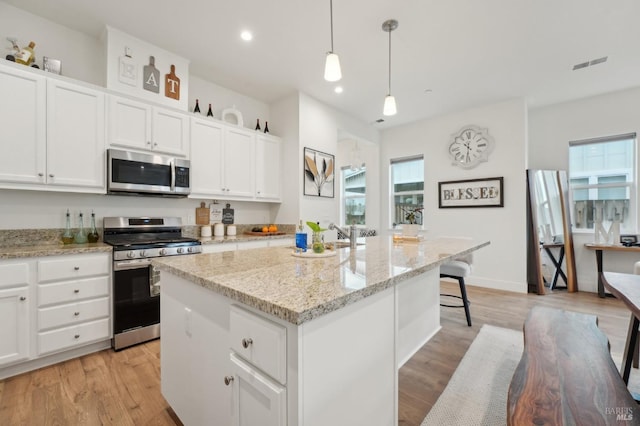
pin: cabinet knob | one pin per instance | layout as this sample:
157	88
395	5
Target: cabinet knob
246	342
148	142
155	144
40	174
76	268
51	175
228	380
76	291
77	336
76	313
22	298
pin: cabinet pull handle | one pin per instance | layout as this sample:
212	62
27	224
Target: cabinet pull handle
76	268
22	298
76	291
77	336
228	380
76	313
246	342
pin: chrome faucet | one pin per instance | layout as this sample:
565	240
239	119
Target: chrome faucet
352	235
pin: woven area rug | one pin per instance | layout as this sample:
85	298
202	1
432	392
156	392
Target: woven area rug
477	391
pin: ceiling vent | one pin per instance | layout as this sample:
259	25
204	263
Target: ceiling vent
590	63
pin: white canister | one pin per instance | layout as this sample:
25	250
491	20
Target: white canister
205	231
231	230
218	230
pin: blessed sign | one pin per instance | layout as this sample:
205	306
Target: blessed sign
471	193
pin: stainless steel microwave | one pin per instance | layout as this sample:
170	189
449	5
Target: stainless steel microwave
150	174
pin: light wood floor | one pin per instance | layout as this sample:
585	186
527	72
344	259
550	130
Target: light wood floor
123	388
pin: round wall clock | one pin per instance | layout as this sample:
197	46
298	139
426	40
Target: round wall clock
470	146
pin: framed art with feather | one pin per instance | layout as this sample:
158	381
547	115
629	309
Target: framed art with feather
319	173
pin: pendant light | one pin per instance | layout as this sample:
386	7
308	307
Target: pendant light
389	100
332	70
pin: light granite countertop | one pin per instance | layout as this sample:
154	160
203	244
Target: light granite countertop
300	289
40	250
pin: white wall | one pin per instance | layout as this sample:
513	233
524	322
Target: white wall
550	130
503	263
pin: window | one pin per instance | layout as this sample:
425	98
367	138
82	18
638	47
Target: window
407	190
602	179
354	185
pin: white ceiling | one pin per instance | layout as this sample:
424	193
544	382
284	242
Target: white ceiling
468	52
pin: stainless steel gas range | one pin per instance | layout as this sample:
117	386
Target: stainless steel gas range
136	286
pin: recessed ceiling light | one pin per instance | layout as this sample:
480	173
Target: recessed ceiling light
246	35
338	89
427	91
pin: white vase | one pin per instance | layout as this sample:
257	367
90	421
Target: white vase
410	230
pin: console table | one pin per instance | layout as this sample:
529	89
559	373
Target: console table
599	248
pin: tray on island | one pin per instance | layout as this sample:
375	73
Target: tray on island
309	254
264	234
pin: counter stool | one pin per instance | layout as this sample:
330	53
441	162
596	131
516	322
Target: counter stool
457	269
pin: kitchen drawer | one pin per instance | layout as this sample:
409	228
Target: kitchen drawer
73	267
72	291
75	335
14	274
73	313
260	341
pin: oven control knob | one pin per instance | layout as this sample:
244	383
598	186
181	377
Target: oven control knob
131	254
143	253
180	250
163	252
190	250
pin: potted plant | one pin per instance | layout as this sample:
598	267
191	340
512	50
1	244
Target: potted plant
411	228
317	239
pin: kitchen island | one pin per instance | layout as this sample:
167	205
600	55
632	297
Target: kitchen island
263	337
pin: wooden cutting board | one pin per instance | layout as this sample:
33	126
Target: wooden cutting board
202	214
264	234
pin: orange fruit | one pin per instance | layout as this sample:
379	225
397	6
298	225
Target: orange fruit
273	228
265	229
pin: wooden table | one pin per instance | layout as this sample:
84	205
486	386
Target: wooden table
599	248
626	287
566	375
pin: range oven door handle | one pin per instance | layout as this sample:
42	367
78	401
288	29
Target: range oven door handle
126	265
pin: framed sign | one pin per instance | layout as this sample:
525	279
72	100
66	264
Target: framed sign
486	192
319	173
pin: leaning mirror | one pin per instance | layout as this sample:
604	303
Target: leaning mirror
550	256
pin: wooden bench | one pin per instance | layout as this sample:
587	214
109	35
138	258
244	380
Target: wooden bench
566	375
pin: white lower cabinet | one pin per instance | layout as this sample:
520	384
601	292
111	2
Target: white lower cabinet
257	399
73	301
14	311
14	332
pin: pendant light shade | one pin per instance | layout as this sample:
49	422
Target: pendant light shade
389	105
332	71
389	101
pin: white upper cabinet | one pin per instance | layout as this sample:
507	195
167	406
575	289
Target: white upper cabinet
22	136
239	162
268	151
54	137
138	125
75	136
207	138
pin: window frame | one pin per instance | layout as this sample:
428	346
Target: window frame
344	197
630	183
393	193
